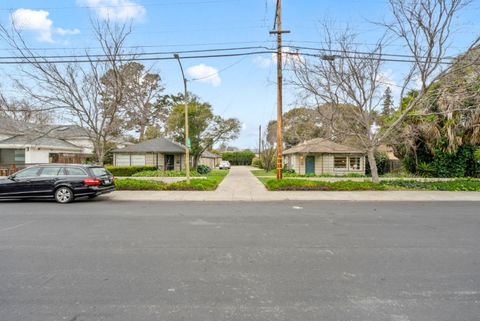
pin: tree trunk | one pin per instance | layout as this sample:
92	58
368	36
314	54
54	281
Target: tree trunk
195	162
142	133
373	165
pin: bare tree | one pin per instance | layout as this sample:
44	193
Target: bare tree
80	88
351	80
348	82
22	110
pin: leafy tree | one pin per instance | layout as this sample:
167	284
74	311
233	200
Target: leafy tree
205	128
142	91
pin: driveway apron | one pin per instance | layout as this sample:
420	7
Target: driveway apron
240	184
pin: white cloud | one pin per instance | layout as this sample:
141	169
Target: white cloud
205	73
115	9
263	62
67	32
289	57
38	22
387	79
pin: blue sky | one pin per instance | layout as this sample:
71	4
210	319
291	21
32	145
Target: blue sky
244	87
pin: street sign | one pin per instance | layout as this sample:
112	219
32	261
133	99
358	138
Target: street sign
189	143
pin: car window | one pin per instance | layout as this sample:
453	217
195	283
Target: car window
75	171
99	171
51	171
29	172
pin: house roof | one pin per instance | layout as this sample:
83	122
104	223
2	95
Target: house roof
207	154
321	145
22	140
14	127
156	145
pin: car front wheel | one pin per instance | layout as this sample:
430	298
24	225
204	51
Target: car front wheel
64	195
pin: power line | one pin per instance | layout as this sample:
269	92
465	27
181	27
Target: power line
138	54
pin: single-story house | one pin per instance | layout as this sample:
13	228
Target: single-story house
24	143
159	152
322	156
210	159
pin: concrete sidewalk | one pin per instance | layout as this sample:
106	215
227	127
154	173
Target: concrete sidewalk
241	185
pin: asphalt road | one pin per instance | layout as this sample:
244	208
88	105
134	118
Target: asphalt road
300	261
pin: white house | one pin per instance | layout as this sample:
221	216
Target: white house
23	144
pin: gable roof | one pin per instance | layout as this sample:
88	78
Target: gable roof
208	154
156	145
22	140
13	127
322	145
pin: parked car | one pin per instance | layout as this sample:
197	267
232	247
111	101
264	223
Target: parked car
224	165
64	183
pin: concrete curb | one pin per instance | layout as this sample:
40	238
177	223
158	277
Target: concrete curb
367	196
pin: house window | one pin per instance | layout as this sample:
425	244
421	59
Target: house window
340	162
355	163
19	156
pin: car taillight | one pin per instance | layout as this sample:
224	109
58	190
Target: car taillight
92	181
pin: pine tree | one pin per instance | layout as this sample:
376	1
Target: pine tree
387	102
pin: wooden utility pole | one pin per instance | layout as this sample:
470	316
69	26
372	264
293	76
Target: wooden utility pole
277	26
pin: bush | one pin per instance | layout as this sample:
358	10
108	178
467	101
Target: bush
127	171
238	158
203	169
426	170
382	164
257	162
139	185
288	171
164	174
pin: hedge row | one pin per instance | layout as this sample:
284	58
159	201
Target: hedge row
127	171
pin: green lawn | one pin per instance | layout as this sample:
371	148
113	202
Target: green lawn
308	185
214	178
272	173
157	173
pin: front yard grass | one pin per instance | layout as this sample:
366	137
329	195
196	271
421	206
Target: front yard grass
273	173
470	185
210	183
157	173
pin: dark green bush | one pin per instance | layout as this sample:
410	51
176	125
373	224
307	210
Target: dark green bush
288	171
382	164
164	174
203	169
238	158
127	171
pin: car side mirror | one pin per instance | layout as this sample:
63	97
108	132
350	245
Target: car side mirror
11	177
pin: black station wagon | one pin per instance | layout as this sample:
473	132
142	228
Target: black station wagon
64	183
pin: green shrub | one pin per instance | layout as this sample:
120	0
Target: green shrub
135	184
157	173
203	169
382	164
257	162
426	169
288	171
126	171
238	158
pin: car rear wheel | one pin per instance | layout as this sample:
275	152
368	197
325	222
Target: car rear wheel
64	195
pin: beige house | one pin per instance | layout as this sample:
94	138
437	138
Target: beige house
322	156
210	159
159	152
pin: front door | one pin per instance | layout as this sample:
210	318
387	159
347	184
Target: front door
310	165
169	162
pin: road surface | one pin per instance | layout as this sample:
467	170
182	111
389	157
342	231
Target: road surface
104	260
